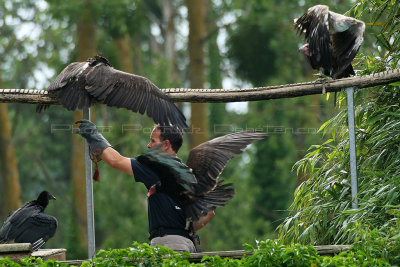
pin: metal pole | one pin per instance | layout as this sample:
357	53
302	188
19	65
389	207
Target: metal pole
89	195
352	137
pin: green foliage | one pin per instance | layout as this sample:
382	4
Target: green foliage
140	255
371	248
32	261
321	211
252	62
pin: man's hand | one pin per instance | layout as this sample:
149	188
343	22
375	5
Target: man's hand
97	142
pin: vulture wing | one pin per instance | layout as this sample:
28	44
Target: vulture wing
70	88
210	201
37	229
82	83
315	27
207	160
345	44
133	92
14	223
176	178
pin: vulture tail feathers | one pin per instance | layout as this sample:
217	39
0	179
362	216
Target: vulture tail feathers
38	244
210	201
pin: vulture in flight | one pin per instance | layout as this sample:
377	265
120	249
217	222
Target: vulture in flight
82	83
29	224
332	40
195	186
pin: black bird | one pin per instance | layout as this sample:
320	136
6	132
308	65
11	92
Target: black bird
195	187
82	83
333	40
29	224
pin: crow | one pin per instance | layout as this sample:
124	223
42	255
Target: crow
81	84
333	40
195	186
29	224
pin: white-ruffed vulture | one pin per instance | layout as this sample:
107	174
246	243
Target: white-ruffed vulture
82	83
195	186
333	40
29	224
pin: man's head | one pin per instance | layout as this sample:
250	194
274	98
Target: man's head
169	136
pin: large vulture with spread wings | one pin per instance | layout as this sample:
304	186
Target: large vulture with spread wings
82	83
29	224
195	186
333	40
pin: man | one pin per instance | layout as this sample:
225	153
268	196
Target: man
167	221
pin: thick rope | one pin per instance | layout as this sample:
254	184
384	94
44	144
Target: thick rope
32	96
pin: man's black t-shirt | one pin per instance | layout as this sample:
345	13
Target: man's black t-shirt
162	210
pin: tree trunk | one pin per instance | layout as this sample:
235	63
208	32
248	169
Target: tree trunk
169	35
10	190
87	47
217	110
196	17
125	55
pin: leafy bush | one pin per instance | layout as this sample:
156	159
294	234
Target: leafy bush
370	249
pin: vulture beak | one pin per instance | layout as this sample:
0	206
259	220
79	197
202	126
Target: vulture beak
304	49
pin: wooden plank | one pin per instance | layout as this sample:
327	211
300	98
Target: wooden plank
58	254
30	96
15	247
327	250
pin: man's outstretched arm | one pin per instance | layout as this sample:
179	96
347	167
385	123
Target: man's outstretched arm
116	161
100	147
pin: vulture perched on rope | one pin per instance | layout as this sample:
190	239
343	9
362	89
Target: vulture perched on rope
195	186
82	83
29	224
333	40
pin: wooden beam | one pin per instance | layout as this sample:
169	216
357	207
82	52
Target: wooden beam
15	247
228	95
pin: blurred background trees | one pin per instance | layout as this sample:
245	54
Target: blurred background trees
229	44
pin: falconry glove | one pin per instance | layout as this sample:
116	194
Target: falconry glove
97	142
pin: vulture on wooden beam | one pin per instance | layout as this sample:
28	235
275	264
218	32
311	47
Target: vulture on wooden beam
195	187
81	84
29	224
332	40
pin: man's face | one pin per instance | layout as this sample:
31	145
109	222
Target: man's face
154	138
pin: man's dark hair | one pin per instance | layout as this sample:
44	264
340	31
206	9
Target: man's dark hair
171	133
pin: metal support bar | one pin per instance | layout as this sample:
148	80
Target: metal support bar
89	195
352	138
